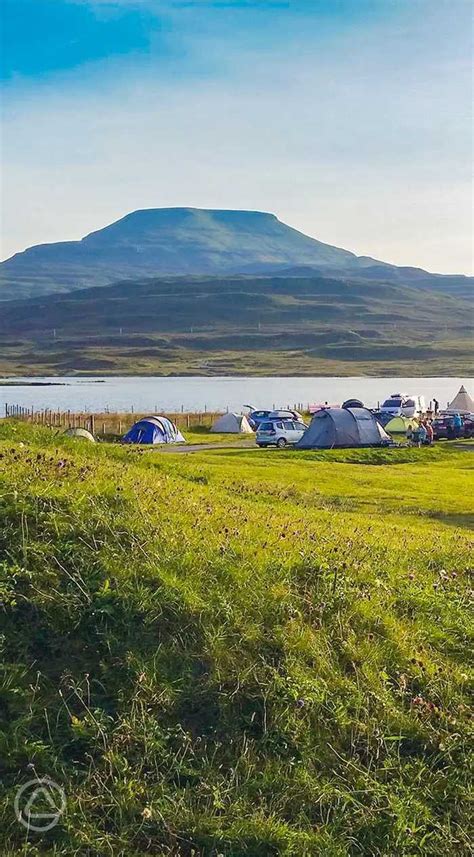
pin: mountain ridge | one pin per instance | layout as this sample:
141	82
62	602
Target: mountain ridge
247	325
184	241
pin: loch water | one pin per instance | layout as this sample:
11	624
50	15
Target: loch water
158	394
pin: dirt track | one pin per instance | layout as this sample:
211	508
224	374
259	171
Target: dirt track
202	447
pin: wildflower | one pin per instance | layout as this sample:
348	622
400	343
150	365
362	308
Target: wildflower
402	681
146	813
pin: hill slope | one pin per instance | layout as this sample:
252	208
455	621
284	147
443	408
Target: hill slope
238	325
189	241
236	653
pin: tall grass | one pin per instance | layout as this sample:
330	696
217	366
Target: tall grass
236	653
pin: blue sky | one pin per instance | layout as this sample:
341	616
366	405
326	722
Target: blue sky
349	119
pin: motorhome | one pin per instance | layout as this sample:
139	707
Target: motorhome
403	405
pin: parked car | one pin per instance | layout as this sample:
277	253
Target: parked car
286	415
280	433
442	424
402	405
469	426
257	417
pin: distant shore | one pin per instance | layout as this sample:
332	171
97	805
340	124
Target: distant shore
13	383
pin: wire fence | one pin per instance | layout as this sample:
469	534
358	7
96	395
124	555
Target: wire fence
105	423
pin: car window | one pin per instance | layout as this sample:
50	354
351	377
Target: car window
288	426
266	426
301	426
279	425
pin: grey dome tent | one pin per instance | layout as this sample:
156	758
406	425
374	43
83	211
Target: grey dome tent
343	427
81	433
353	403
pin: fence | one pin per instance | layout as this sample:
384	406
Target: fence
105	423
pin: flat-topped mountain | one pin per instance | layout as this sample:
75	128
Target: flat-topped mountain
179	241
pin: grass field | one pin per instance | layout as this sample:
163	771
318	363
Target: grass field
236	652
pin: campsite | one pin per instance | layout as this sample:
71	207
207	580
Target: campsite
321	426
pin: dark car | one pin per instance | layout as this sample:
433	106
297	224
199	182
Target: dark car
443	427
285	414
257	417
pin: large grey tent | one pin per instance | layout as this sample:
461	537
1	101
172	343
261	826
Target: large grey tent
343	427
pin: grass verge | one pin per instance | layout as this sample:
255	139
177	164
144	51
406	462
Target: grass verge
236	653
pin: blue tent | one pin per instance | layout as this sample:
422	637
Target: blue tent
154	430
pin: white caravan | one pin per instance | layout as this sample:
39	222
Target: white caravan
403	405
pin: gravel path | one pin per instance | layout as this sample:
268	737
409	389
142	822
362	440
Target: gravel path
202	447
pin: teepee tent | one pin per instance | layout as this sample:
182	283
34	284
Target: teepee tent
343	427
153	430
462	402
399	425
232	424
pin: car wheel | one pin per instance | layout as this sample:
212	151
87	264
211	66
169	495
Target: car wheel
281	443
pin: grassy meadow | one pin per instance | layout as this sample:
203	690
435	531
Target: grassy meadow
236	652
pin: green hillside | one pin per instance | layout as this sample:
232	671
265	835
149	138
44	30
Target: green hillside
237	653
238	325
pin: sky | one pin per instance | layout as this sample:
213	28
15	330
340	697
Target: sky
351	120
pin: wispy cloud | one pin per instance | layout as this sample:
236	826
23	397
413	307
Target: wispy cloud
353	131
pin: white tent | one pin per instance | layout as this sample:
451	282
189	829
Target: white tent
462	402
232	424
81	433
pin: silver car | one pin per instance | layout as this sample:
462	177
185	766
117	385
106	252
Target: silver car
280	433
